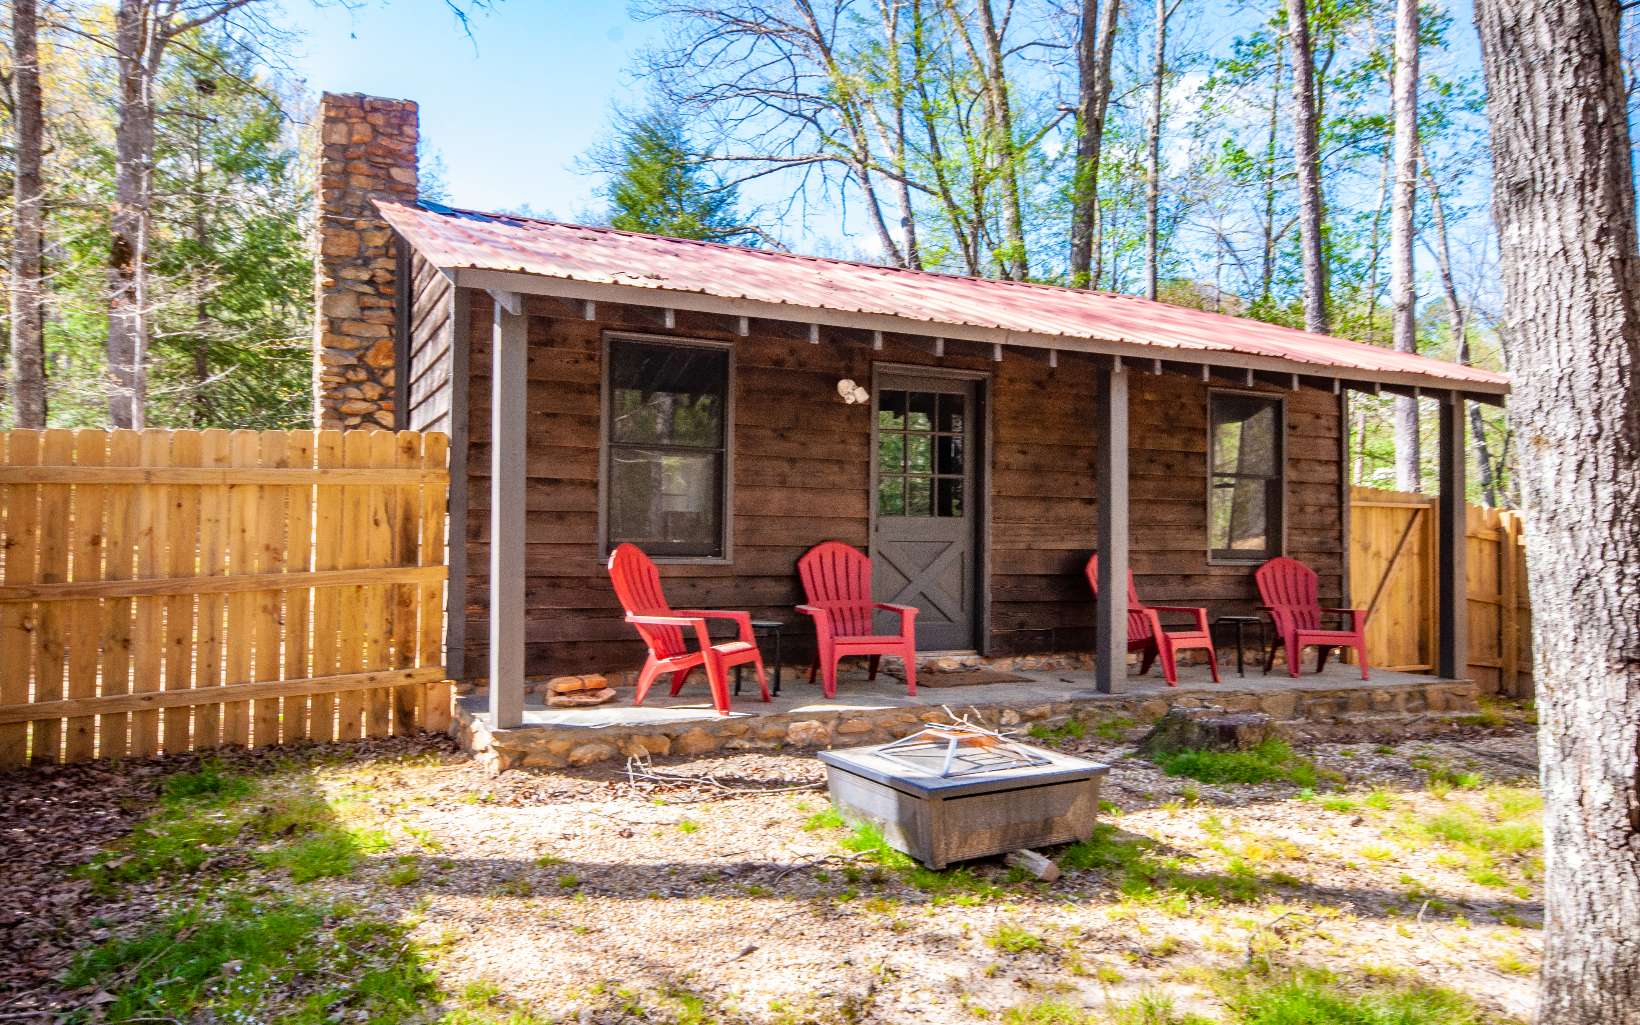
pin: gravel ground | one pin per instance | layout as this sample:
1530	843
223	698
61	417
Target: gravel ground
584	895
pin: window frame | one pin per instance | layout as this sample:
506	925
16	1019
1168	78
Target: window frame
726	496
1278	536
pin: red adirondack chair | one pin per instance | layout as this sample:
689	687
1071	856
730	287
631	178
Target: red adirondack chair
638	586
1288	589
1147	636
837	582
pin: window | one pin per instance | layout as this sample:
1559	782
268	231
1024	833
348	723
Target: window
668	450
920	461
1245	478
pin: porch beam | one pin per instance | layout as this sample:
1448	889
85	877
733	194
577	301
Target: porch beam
1452	661
1223	361
1111	486
510	366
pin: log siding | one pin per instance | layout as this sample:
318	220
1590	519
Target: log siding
801	476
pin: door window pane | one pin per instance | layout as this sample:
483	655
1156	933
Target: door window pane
891	453
948	500
891	496
919	453
951	413
667	432
891	411
920	411
919	496
950	454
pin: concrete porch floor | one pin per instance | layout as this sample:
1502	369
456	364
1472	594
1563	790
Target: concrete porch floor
872	711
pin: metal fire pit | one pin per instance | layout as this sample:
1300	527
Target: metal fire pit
953	792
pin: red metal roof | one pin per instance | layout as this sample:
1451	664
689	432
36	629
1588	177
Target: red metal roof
1040	314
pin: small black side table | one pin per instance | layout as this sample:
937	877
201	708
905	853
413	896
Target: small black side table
1241	623
765	628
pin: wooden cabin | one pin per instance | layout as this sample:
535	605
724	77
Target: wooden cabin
726	409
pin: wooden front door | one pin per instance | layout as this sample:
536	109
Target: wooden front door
925	482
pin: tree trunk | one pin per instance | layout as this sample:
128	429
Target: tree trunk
1153	148
1403	297
1267	271
28	348
1458	319
135	46
1563	199
1094	46
1307	157
1016	264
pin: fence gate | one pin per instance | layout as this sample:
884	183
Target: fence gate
167	591
1393	563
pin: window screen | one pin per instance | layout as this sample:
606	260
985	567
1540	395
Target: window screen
667	439
1245	477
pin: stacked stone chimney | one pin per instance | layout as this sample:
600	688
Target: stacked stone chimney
367	151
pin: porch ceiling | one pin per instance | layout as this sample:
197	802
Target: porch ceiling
520	254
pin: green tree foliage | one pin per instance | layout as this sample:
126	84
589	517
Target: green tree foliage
660	186
230	275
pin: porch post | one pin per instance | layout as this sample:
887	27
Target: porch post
1111	483
1453	659
509	365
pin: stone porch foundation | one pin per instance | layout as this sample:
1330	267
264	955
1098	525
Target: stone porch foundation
1391	707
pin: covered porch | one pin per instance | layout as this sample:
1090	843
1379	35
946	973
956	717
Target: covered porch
1097	411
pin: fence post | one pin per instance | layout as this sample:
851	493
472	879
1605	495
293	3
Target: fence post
1508	621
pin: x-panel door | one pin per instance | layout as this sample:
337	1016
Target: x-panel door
925	438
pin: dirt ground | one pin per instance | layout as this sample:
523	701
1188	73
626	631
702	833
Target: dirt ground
724	892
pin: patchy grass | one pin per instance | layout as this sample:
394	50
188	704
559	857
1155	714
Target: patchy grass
1012	938
260	960
1317	998
1059	733
1134	866
1271	760
198	816
330	852
1496	834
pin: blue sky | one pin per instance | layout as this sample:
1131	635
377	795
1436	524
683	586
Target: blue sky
508	111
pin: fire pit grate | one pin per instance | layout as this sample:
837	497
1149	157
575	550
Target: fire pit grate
960	749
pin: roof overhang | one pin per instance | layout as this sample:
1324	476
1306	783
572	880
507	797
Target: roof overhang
1139	354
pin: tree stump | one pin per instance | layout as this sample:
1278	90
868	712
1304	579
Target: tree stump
1208	728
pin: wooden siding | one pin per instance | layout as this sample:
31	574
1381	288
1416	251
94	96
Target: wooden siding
428	391
801	469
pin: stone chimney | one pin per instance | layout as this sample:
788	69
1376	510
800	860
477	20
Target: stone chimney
367	150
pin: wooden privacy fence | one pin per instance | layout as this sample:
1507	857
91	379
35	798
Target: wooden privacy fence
1393	552
167	591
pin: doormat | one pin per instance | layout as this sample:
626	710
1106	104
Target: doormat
968	678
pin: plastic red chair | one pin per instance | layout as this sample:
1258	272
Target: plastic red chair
638	586
1288	589
837	582
1150	639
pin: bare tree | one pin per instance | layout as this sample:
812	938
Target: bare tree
1564	202
28	371
988	55
1403	294
1095	43
776	82
1307	158
1153	143
1457	312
